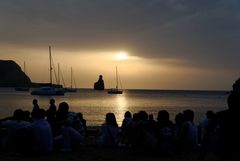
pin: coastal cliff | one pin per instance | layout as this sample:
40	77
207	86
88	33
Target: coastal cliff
11	75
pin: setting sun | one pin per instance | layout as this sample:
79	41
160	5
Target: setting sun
121	56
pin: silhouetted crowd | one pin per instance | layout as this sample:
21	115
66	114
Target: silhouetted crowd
42	131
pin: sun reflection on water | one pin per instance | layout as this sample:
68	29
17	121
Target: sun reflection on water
122	102
122	105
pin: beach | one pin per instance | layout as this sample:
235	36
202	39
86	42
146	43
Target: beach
97	154
88	151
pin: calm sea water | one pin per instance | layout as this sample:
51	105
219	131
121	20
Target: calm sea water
95	104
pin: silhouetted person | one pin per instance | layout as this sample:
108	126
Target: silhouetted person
131	131
51	115
62	112
188	135
139	135
151	124
52	106
165	133
99	85
150	117
203	125
42	133
83	121
27	116
127	119
227	123
179	120
109	132
70	131
10	140
35	108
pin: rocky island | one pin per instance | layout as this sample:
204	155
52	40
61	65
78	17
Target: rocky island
99	85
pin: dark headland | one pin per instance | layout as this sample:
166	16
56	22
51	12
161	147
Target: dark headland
11	75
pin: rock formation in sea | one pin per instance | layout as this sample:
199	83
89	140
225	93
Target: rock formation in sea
11	75
99	85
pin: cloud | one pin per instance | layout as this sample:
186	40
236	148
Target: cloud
204	33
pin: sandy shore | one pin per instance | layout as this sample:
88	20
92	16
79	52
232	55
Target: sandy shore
89	152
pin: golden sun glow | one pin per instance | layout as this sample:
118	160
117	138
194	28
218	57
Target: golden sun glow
121	56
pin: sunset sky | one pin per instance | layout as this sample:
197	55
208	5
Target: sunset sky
156	44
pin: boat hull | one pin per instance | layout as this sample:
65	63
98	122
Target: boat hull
115	91
21	89
48	91
70	89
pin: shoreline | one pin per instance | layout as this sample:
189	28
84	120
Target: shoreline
136	89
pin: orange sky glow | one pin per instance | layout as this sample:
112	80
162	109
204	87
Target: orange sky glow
135	72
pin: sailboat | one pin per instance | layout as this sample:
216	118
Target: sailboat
115	90
71	89
48	90
22	88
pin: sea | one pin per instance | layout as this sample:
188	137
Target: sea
95	104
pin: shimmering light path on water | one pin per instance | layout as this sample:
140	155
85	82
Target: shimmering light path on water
95	104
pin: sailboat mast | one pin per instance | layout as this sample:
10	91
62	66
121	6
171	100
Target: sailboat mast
58	78
116	78
50	58
71	77
24	67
